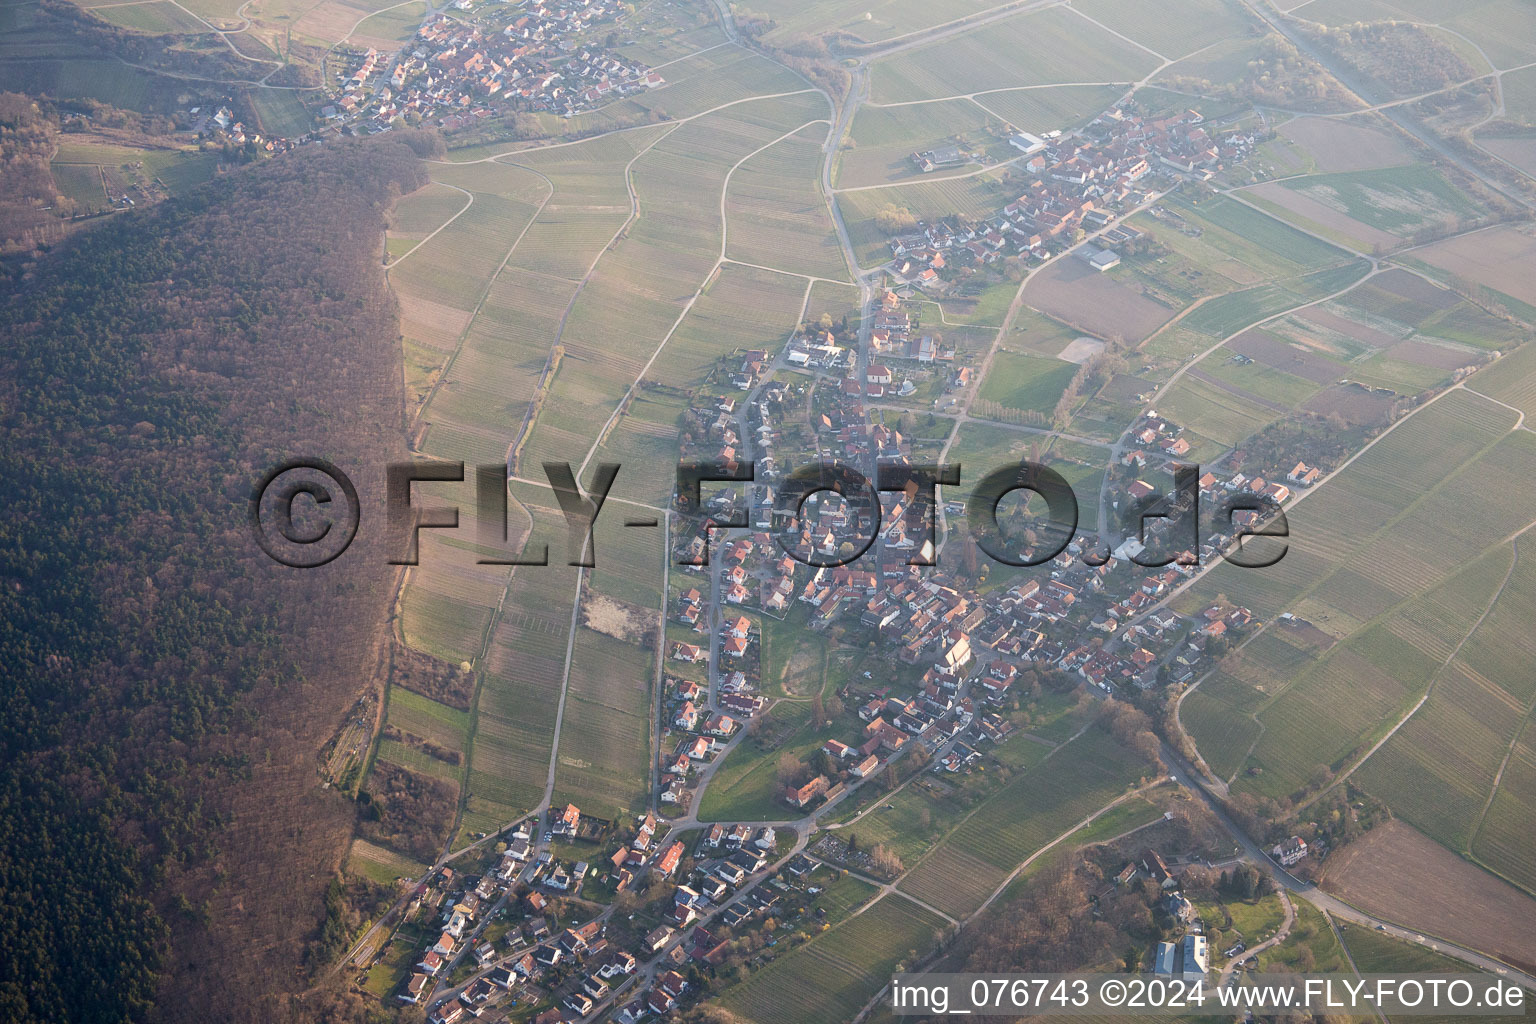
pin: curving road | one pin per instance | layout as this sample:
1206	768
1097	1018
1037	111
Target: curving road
1187	777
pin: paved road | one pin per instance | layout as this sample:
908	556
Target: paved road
807	826
1186	776
1274	940
1397	114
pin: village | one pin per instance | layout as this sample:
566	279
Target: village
1078	183
953	658
455	69
462	66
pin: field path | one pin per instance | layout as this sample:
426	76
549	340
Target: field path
1433	682
485	294
1282	23
725	187
396	262
886	889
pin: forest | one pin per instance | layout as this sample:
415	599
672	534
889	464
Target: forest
164	685
27	134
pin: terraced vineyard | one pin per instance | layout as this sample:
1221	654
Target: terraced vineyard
832	976
1418	579
1050	47
1034	808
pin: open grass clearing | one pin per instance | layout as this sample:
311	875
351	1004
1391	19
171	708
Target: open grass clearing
1026	382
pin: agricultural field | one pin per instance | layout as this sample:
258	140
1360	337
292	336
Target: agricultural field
81	165
1519	90
1240	262
605	745
1369	209
1511	380
81	183
883	139
220	13
645	440
1268	246
1055	46
978	195
662	35
1205	258
907	823
1495	258
1516	150
448	599
1094	302
159	17
710	78
1050	108
278	23
966	307
1396	332
1227	734
1375	953
833	975
1406	580
379	864
391	26
835	300
1175	29
1399	199
449	608
1503	28
1227	315
604	760
1026	382
1034	332
417	215
866	20
741	308
1338	146
1500	843
775	215
1269	385
1398	874
443	285
1437	772
1034	808
1221	415
432	721
642	289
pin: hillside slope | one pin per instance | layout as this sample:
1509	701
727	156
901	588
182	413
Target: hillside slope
164	687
